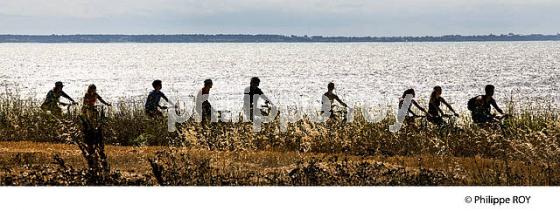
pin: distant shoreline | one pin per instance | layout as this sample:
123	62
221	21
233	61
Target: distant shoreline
233	38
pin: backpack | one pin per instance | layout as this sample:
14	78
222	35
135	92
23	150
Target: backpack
471	105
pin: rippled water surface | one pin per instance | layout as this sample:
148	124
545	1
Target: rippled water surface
527	72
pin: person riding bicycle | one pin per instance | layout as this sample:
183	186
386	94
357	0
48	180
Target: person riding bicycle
152	102
480	106
251	97
436	114
89	111
203	107
328	101
53	100
409	118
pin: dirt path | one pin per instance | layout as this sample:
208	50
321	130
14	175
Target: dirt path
16	156
135	159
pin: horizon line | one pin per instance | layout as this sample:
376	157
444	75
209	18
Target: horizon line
285	35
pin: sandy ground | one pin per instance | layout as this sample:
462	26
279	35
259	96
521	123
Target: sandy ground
134	160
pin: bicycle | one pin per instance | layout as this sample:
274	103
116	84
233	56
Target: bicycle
267	110
57	113
500	121
447	121
94	116
339	111
494	120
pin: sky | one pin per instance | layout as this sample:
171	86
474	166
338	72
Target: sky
285	17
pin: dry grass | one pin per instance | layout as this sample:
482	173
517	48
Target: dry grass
27	163
523	151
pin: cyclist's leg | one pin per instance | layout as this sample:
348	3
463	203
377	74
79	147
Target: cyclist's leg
57	111
437	120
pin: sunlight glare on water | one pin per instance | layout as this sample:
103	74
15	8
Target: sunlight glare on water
377	73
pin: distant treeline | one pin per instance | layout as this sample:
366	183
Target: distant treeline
231	38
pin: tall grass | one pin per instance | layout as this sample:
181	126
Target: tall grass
528	136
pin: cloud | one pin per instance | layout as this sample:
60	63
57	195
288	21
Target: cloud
330	17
